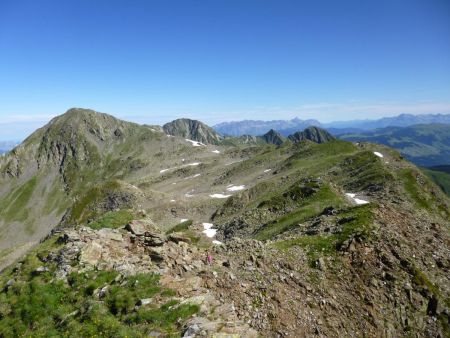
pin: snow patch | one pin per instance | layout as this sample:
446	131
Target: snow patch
236	187
267	170
216	151
172	201
183	220
216	242
360	202
210	232
378	154
195	143
207	226
219	196
356	200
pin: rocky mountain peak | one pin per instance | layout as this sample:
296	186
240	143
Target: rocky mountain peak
273	137
193	130
314	134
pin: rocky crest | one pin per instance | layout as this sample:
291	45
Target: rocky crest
193	130
273	137
314	134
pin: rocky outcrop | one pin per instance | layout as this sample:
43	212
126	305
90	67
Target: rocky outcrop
273	137
314	134
193	130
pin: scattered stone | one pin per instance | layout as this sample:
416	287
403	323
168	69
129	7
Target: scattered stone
40	270
179	237
143	302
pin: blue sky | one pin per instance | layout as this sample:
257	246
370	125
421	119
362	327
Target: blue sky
153	61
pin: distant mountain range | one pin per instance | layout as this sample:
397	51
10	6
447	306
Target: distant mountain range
6	146
287	127
424	144
256	127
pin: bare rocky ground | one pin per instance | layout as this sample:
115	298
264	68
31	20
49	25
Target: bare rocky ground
254	289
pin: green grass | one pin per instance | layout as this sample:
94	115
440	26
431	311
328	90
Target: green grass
13	207
183	226
84	208
441	178
363	171
411	187
38	305
360	224
112	220
310	207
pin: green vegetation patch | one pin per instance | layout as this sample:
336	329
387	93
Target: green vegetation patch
87	207
359	222
39	305
112	220
309	207
420	191
13	207
441	178
183	226
364	171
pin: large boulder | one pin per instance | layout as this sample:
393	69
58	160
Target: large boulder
142	227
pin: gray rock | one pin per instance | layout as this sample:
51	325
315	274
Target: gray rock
144	301
141	227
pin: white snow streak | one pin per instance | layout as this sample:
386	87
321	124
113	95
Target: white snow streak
219	196
236	187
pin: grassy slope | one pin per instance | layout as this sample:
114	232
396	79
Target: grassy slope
441	178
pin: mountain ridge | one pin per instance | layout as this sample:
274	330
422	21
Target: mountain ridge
302	234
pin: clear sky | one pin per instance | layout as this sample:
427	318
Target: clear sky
219	60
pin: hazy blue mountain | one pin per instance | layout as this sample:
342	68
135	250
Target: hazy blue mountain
6	146
403	120
288	127
257	127
424	144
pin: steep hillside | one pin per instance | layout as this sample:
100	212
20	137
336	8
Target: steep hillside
302	239
440	175
79	160
425	145
192	130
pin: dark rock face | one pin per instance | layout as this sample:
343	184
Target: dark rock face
273	137
314	134
193	130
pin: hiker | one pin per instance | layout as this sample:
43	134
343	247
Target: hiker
209	258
